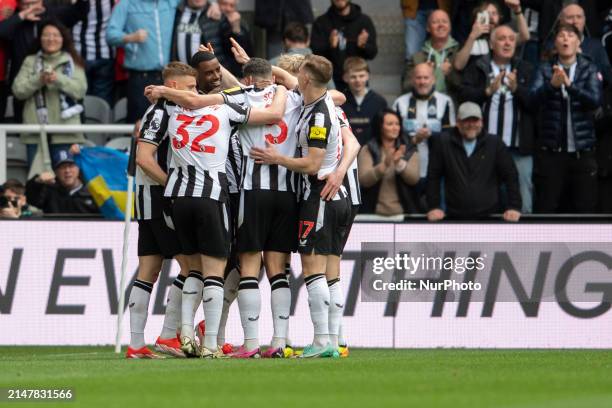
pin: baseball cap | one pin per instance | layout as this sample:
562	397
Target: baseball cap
61	157
469	110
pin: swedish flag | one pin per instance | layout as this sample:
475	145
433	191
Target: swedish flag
105	173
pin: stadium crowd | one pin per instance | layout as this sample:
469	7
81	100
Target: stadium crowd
537	137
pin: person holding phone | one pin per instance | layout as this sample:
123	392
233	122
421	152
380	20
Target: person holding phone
388	168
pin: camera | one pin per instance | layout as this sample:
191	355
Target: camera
6	203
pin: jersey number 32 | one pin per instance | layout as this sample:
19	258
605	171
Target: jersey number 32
182	140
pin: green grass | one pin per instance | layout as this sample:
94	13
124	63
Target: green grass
368	378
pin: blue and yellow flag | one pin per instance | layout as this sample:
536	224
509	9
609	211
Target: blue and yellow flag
105	173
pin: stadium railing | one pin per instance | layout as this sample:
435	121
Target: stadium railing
43	130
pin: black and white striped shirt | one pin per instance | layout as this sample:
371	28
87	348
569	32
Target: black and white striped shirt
435	112
200	141
318	127
282	134
193	28
90	34
351	179
153	130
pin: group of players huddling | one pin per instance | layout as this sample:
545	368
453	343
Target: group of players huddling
226	179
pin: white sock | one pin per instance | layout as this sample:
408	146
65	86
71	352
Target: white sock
281	307
336	306
318	300
341	339
212	300
230	292
139	309
173	308
288	274
192	292
249	303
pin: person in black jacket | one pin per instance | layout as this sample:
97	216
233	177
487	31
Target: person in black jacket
62	192
474	165
22	28
274	15
343	31
362	103
499	83
568	90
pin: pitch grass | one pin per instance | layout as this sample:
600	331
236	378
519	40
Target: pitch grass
368	378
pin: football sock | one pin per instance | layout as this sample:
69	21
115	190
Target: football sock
318	300
336	305
341	339
173	308
192	290
139	308
281	306
230	292
212	301
249	303
288	274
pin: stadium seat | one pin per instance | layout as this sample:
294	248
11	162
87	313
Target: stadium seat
120	143
9	112
120	111
16	159
97	111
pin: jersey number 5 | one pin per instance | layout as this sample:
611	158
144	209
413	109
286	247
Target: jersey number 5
196	145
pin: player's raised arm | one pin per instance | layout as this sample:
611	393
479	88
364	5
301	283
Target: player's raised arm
284	78
186	99
338	97
273	113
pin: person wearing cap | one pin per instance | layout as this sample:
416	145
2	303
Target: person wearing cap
61	192
474	166
568	90
499	82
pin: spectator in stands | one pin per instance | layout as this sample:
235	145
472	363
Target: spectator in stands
604	131
439	50
90	42
7	9
500	84
574	15
416	16
51	81
62	192
13	202
296	40
233	27
485	18
144	29
568	89
342	32
22	28
474	166
425	112
388	169
362	103
549	11
275	15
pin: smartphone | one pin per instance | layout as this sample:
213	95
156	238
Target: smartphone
483	17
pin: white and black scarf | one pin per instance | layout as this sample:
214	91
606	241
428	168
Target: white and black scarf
68	105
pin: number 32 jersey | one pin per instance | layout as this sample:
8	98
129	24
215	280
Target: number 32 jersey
200	143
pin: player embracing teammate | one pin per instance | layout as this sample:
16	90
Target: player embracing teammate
278	211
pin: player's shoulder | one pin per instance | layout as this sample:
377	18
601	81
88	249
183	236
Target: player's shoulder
235	91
